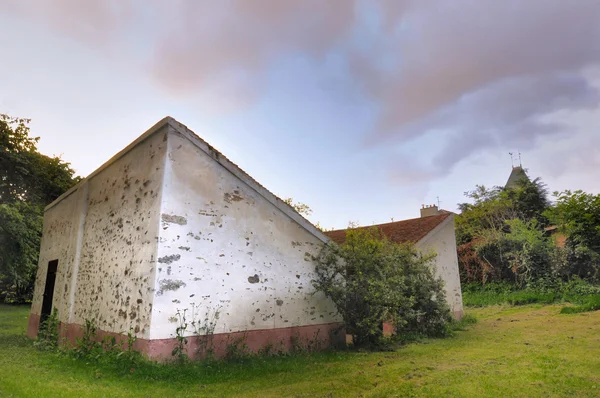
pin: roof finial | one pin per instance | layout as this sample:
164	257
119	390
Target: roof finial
439	202
512	160
520	163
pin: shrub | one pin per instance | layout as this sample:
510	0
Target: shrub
88	345
372	280
47	337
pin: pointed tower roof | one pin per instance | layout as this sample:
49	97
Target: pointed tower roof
517	174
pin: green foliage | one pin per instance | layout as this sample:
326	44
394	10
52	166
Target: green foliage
204	327
534	347
20	234
88	345
236	348
502	237
48	331
301	345
530	251
462	324
26	174
576	261
372	280
491	208
107	351
300	207
591	304
179	349
28	182
544	291
530	200
578	215
518	252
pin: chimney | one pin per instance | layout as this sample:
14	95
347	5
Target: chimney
429	210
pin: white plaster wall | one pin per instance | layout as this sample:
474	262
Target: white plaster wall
225	247
118	251
442	240
59	237
104	234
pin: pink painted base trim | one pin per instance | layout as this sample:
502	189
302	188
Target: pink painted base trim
33	325
458	315
283	339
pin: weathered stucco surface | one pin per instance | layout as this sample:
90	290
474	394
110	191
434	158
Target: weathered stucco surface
442	240
59	241
170	224
228	246
104	235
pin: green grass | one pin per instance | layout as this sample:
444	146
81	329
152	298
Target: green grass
579	292
526	351
486	298
590	303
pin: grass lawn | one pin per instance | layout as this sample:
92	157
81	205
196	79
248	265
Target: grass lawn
525	351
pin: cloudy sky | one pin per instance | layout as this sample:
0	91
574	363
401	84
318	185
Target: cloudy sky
364	110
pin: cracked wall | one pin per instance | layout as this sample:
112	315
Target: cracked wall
223	246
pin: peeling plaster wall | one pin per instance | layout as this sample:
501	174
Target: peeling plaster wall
59	241
105	237
442	240
224	247
118	254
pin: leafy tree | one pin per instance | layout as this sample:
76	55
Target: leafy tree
530	200
372	280
15	144
578	215
26	174
490	208
300	207
530	251
500	233
20	232
29	181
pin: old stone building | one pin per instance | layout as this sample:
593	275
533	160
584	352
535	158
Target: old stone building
171	225
432	232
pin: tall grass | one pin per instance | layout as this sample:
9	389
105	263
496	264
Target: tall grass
579	292
591	303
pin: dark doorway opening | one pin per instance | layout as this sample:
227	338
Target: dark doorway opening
49	290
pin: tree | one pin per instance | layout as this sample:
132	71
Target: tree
372	280
530	200
300	207
500	234
20	232
489	210
26	174
29	181
578	215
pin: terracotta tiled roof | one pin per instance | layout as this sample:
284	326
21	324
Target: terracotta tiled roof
400	231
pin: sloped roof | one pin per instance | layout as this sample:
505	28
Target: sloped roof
412	230
517	174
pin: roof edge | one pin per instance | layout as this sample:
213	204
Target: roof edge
151	131
436	229
246	178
